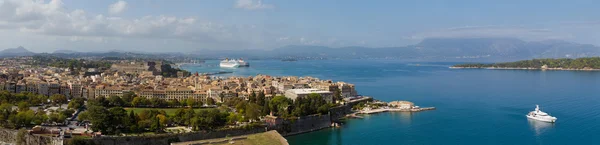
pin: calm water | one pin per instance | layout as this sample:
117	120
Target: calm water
473	106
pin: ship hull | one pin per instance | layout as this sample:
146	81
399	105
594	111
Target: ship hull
229	65
550	120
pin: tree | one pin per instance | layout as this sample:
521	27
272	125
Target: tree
67	112
173	103
260	100
83	116
132	118
337	95
240	107
279	105
210	101
190	102
116	101
252	97
155	126
162	119
253	111
139	101
23	106
57	118
118	120
189	115
23	118
222	96
156	102
100	118
128	97
233	118
76	103
265	108
99	101
40	117
58	99
209	119
38	99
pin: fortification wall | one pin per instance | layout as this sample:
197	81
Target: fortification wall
166	139
9	136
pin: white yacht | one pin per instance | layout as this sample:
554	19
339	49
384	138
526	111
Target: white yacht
539	115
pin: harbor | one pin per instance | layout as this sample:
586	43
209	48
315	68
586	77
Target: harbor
380	110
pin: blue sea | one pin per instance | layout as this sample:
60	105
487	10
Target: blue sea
474	106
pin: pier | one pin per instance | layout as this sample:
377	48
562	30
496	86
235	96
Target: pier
373	111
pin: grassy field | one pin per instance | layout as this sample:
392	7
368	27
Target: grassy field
270	138
267	138
169	111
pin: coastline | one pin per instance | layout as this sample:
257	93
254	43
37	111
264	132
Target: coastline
527	68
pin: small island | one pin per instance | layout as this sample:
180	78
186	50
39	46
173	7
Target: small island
583	64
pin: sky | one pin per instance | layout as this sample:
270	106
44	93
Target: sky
195	25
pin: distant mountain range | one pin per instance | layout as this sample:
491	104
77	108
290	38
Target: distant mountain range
432	49
456	48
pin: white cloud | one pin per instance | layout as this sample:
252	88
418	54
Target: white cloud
117	7
252	5
52	19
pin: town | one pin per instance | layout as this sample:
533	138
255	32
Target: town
82	99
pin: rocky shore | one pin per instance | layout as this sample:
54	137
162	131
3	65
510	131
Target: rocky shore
527	68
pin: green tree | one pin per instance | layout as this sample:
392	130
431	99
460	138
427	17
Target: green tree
210	101
83	116
116	101
279	105
222	96
99	101
260	99
253	111
128	97
190	102
156	102
118	120
23	106
57	118
252	97
58	99
139	102
23	118
100	118
76	103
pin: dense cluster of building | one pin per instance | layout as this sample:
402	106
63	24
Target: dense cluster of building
143	79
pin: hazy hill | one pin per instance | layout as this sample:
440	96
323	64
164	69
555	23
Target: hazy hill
64	51
19	51
454	48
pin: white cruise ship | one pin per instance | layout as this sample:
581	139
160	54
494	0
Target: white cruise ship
539	115
232	63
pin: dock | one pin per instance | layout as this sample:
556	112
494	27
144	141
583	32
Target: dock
373	111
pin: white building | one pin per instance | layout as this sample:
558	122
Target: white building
295	93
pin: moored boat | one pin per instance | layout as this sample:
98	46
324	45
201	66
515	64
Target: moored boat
539	115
